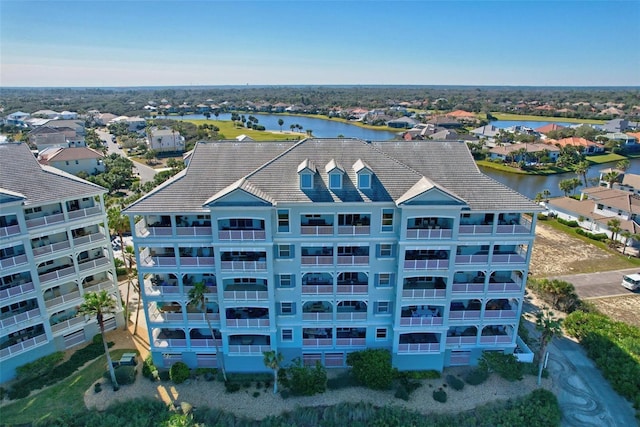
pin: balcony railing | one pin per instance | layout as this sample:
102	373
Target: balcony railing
508	259
423	293
166	316
248	323
67	324
94	263
317	289
160	261
246	295
523	228
193	231
158	231
169	342
58	274
243	266
45	220
48	249
317	342
475	229
205	342
82	213
200	317
496	339
197	261
504	287
9	231
500	314
316	230
424	264
353	289
421	321
354	230
353	259
470	340
19	318
351	342
464	315
317	317
317	259
241	235
13	261
249	349
22	346
62	299
472	259
99	286
351	315
16	290
419	348
421	233
463	288
83	240
208	289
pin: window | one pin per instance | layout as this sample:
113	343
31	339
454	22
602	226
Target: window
364	181
287	335
306	181
285	251
384	279
285	281
283	221
381	334
335	181
385	250
387	220
383	307
286	308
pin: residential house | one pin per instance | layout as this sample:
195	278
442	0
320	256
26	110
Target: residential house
625	139
244	138
488	131
103	119
616	125
134	124
513	153
17	118
323	247
73	160
421	131
452	135
45	137
76	125
549	128
445	122
54	248
583	145
402	123
624	181
48	114
165	140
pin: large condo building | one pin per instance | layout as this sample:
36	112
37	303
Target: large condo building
322	247
54	248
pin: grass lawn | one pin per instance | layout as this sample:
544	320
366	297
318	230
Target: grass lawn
530	118
550	170
67	395
229	131
604	158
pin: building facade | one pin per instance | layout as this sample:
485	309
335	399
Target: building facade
54	248
327	246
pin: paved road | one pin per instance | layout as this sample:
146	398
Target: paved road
596	285
145	172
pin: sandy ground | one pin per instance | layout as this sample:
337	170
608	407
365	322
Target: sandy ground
623	308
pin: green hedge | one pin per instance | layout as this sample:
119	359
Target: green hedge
600	237
572	224
372	368
179	372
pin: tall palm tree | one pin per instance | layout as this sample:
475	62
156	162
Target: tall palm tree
623	165
614	228
549	327
546	193
198	299
581	168
280	123
98	304
272	360
610	178
627	236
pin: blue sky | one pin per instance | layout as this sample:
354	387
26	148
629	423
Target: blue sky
162	42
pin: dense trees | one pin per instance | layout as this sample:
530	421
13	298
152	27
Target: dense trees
118	173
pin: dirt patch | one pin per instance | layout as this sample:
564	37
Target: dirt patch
623	308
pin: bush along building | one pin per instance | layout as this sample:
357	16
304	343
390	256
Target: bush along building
327	246
54	248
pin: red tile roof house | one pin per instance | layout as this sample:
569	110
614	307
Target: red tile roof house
596	207
586	146
509	151
73	160
548	128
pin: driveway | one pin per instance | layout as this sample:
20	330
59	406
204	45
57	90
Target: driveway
145	172
597	285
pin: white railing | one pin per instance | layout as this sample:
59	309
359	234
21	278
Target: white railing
208	289
22	346
159	231
166	316
317	317
351	315
58	274
16	290
421	321
45	220
317	259
353	289
421	233
99	286
508	258
205	342
464	314
13	261
500	314
351	342
19	318
83	240
353	259
423	293
470	340
82	213
244	265
317	342
193	231
504	287
197	261
241	235
496	339
354	230
419	348
51	248
67	324
317	289
423	264
472	259
160	261
246	295
523	228
200	317
94	263
62	299
249	349
248	323
316	230
457	288
169	342
9	231
475	229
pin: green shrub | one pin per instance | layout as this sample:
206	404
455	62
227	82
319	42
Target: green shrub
306	380
231	387
572	224
39	366
206	373
256	393
149	370
542	217
455	382
505	365
124	374
18	391
344	380
600	237
402	393
476	376
97	387
440	395
372	368
179	372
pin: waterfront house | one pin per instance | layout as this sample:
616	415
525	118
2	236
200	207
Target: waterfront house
518	152
583	145
73	160
549	128
488	131
402	123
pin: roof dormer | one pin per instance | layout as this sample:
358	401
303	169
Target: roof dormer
364	174
306	172
335	172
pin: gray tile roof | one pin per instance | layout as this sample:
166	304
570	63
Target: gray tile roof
269	170
21	173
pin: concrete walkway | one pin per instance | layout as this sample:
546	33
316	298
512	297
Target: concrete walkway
585	397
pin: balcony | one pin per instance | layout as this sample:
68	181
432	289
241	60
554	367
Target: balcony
62	299
241	229
10	230
154	226
12	319
501	309
246	295
504	282
476	223
247	317
158	285
351	311
316	225
423	315
16	290
352	288
166	312
202	317
197	261
49	249
98	282
84	213
321	256
205	343
461	335
511	257
63	323
465	282
419	343
429	228
45	220
86	237
317	311
243	261
513	224
56	273
94	263
24	344
465	310
249	345
426	259
353	255
317	337
497	334
478	254
351	337
169	338
158	257
354	224
13	261
424	287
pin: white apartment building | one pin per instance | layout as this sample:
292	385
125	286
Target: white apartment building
54	248
322	247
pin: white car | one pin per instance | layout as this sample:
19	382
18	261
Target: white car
631	281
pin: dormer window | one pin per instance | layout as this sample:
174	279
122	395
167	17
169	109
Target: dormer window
364	180
335	181
306	181
306	171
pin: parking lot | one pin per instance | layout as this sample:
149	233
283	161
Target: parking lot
597	285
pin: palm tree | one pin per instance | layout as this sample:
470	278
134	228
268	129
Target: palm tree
546	193
98	304
280	123
272	360
614	228
549	327
581	168
538	198
623	165
118	224
627	236
610	178
198	299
